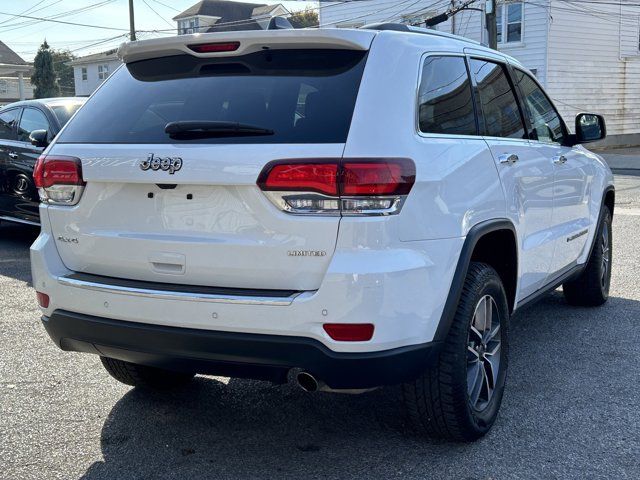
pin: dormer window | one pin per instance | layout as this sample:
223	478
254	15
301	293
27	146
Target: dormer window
188	25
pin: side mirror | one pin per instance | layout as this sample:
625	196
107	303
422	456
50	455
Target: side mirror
590	128
39	138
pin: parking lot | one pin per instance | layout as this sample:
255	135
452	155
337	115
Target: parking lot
570	411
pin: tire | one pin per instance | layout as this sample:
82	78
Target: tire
443	403
145	377
591	288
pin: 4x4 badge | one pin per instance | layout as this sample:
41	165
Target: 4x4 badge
167	164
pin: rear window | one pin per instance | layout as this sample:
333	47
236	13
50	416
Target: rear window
304	96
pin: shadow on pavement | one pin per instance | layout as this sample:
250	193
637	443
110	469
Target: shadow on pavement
15	240
254	429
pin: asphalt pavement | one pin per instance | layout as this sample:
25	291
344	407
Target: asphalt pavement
571	409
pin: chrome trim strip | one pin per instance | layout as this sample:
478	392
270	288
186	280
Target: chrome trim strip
19	220
181	296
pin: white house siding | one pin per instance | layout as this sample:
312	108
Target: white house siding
361	12
88	86
593	68
531	52
10	90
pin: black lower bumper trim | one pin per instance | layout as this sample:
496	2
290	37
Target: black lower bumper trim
245	355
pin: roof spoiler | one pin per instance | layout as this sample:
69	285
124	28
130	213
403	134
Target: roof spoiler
246	42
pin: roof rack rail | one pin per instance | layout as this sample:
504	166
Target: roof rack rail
397	27
401	27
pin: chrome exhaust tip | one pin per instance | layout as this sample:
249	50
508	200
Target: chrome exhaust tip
307	382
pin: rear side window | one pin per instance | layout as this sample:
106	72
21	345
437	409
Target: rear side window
546	125
499	105
303	96
444	100
7	124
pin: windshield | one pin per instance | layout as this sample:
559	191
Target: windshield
303	96
64	112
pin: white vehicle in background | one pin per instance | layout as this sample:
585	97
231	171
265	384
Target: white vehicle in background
346	209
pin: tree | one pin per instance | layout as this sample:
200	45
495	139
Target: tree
44	76
64	72
304	18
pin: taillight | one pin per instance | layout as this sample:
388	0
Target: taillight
339	186
59	179
308	177
215	47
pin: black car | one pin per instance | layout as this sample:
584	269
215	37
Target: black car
26	128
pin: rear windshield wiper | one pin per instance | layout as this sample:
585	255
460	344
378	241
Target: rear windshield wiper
190	129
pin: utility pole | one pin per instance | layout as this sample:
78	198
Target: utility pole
453	17
132	22
492	26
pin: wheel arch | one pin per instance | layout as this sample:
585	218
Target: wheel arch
485	242
609	199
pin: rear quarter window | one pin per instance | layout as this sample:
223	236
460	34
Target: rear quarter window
304	96
445	103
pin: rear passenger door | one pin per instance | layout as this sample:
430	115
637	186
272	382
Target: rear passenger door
526	173
573	174
25	194
8	137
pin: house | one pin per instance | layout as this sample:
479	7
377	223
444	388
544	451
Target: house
91	70
586	56
13	85
227	15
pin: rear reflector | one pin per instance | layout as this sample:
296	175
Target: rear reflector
215	47
59	179
349	332
43	299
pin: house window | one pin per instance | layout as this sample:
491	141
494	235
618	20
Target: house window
103	71
4	87
187	26
83	71
509	21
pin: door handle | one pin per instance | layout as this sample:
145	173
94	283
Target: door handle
560	159
13	155
508	158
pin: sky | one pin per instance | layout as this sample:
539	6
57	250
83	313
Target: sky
24	35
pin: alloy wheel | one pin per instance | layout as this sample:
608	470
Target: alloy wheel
483	353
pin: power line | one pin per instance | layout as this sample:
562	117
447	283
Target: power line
44	19
25	11
157	14
165	5
68	13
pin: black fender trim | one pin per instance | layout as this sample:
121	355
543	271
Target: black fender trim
609	188
464	260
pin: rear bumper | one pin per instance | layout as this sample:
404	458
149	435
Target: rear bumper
401	290
244	355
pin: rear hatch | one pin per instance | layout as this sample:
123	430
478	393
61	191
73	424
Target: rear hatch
184	207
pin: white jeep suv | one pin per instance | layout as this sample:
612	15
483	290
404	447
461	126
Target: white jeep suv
346	209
